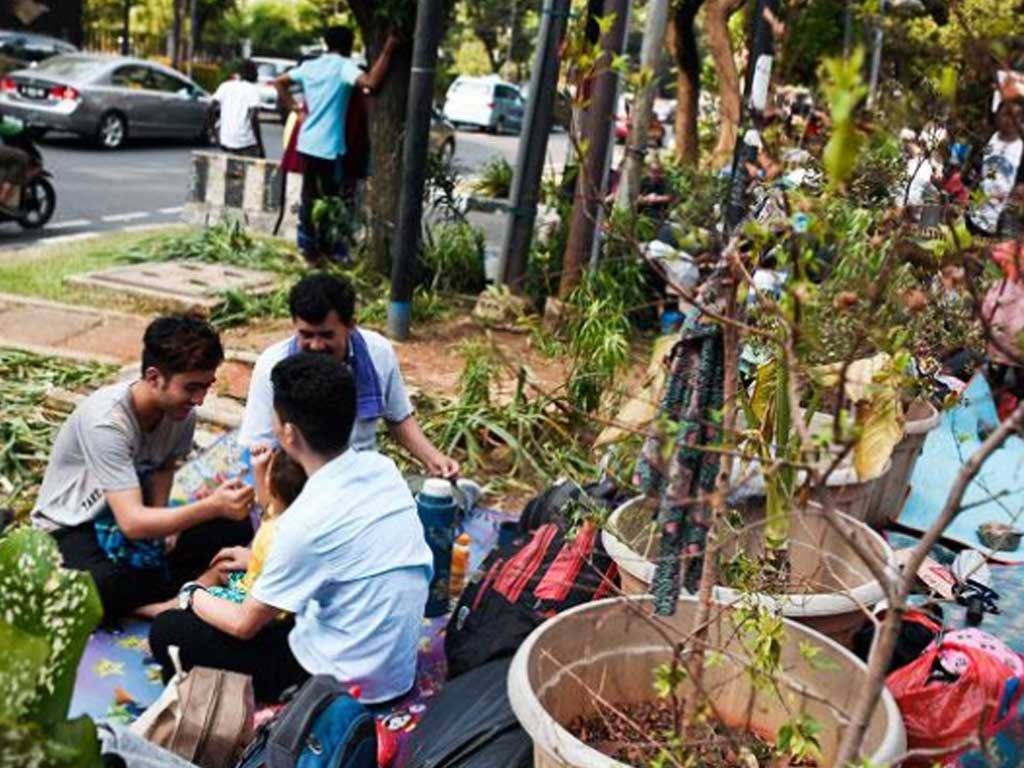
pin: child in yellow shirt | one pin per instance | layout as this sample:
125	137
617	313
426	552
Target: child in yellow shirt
279	481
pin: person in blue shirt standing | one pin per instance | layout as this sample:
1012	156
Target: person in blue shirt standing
327	83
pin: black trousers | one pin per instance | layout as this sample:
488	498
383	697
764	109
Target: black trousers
320	178
123	589
265	657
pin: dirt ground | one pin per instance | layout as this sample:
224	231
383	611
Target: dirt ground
431	361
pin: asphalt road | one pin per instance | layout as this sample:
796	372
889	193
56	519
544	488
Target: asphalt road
144	184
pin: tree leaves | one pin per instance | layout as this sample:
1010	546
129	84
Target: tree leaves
844	89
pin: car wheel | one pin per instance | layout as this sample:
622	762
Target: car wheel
38	203
500	127
112	131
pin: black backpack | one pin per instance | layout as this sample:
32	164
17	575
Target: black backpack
470	724
529	579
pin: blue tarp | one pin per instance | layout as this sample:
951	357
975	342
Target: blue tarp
997	492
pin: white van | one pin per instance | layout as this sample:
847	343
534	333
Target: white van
489	103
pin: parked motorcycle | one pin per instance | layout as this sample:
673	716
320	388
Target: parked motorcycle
38	196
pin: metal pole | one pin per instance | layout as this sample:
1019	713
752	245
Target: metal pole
533	144
636	143
589	186
876	56
414	152
126	27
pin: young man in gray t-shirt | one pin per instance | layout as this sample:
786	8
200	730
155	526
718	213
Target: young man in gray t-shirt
105	494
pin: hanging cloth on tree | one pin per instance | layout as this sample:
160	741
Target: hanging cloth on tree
673	465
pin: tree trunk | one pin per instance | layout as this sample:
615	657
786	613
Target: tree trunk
716	32
684	46
176	33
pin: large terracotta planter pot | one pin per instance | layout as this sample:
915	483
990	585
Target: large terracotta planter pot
829	585
608	651
894	486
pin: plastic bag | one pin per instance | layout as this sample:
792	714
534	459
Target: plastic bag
944	712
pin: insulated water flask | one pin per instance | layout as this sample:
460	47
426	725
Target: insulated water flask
436	508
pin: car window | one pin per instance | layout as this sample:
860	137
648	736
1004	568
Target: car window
471	88
165	83
70	67
505	92
131	76
266	71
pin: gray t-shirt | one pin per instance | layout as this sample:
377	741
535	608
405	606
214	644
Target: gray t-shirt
102	448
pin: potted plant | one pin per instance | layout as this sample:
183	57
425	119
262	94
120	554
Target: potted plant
612	662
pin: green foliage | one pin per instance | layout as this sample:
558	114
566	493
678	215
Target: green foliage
333	222
226	243
452	257
844	90
29	425
495	178
478	373
667	679
274	28
798	739
49	613
814	32
598	344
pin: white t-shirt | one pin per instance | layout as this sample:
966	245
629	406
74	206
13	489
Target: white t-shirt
237	99
350	560
998	176
258	423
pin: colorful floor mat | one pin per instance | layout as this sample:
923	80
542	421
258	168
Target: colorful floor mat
997	492
117	678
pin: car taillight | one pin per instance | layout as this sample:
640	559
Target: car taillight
7	85
490	105
63	93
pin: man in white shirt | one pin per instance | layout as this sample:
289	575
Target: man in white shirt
323	309
239	102
349	560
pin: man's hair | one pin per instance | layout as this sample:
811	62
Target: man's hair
247	71
180	344
340	40
316	295
317	394
287	478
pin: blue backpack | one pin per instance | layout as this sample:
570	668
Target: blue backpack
322	726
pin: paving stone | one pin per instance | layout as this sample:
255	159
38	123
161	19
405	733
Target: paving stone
181	284
43	326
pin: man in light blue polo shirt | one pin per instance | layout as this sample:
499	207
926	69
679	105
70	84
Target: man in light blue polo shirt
327	84
349	560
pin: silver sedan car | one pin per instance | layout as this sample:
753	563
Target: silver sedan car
107	99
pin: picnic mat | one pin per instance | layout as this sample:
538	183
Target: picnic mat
997	492
117	678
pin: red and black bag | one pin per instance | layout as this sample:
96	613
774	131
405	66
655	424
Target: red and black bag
519	585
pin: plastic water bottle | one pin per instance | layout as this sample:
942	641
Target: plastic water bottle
460	567
436	508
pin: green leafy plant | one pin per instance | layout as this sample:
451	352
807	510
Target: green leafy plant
452	258
29	424
48	615
495	178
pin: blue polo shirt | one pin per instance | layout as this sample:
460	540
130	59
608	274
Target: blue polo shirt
327	83
349	559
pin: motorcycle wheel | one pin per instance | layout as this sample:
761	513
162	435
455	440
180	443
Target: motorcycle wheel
39	200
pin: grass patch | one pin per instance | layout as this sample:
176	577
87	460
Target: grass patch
42	272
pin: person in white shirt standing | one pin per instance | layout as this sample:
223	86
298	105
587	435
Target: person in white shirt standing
239	102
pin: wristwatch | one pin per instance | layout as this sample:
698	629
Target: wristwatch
186	594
